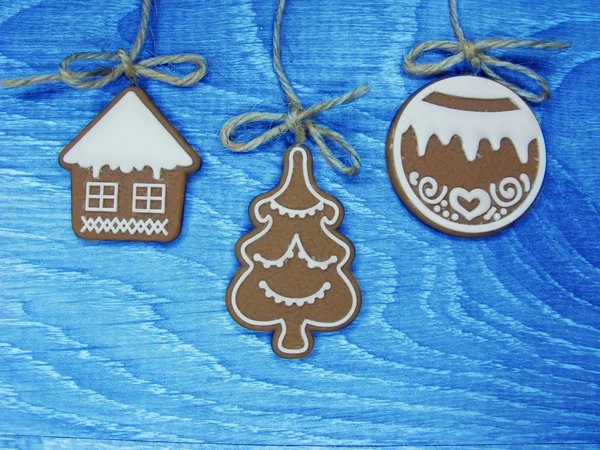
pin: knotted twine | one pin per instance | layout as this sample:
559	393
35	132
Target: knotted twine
297	120
474	53
124	64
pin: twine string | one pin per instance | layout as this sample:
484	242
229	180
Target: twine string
475	53
123	63
297	120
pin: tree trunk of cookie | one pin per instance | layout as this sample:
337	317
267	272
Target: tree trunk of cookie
293	338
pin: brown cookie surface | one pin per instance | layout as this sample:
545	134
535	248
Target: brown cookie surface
295	267
466	156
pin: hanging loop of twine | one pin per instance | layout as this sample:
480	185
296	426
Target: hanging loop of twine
475	53
123	63
297	120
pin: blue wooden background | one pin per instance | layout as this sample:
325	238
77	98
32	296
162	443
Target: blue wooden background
463	343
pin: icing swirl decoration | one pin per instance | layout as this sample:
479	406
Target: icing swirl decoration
510	189
428	188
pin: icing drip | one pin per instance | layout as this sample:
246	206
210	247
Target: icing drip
298	301
128	137
427	119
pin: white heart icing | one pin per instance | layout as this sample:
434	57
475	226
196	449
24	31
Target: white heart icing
476	194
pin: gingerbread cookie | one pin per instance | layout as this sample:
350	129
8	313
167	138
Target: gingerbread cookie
129	171
466	155
295	267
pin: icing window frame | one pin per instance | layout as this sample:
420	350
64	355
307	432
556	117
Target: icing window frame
102	196
148	197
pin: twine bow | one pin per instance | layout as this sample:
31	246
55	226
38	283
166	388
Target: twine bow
123	64
298	119
474	52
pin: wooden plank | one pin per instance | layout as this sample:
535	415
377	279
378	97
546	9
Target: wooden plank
460	343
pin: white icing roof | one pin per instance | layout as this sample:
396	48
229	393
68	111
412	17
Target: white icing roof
128	137
427	119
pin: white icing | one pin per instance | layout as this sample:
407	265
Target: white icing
490	213
118	225
146	198
414	178
128	137
460	86
466	86
302	213
102	197
268	220
298	301
427	119
484	202
526	183
428	187
289	254
508	193
510	189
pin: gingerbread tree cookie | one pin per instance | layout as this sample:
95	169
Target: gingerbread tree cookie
295	275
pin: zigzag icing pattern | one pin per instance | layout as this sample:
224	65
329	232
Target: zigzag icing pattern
298	301
302	213
296	242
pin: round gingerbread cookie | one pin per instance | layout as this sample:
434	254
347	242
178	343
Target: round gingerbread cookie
466	155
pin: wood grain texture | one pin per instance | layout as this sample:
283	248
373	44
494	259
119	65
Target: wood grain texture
459	342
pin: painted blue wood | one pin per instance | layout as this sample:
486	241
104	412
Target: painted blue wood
459	342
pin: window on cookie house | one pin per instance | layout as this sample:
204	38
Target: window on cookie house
101	196
148	198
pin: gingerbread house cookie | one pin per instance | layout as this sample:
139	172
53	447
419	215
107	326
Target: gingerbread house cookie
129	171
